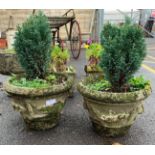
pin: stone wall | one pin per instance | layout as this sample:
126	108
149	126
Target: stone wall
83	16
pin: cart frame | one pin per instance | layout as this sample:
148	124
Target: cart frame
72	29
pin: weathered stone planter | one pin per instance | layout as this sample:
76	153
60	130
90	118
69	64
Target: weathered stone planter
112	114
9	63
40	108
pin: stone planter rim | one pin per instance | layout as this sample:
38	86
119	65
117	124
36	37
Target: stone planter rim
36	92
113	97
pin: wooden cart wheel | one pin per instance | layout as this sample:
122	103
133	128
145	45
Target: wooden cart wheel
75	39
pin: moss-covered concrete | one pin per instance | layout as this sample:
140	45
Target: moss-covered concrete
9	63
40	108
36	92
36	113
113	113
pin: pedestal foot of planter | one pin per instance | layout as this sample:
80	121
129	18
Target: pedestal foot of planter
110	132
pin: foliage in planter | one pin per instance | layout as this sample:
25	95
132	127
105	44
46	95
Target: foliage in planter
93	52
124	51
101	85
51	78
35	83
134	84
32	45
59	58
137	83
19	81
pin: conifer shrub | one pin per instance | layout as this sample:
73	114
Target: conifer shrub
33	45
124	51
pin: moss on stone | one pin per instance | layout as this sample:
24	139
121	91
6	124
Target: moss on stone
32	103
111	97
53	109
33	92
112	113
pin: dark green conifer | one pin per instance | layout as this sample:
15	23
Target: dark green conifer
33	44
124	51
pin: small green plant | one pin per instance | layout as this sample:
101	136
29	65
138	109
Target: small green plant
59	58
137	83
93	53
102	85
134	84
32	45
124	51
51	78
58	53
35	83
93	50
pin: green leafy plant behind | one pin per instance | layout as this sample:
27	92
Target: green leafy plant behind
124	51
32	45
58	53
35	83
59	58
94	50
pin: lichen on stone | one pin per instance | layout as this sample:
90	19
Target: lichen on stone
32	103
112	114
